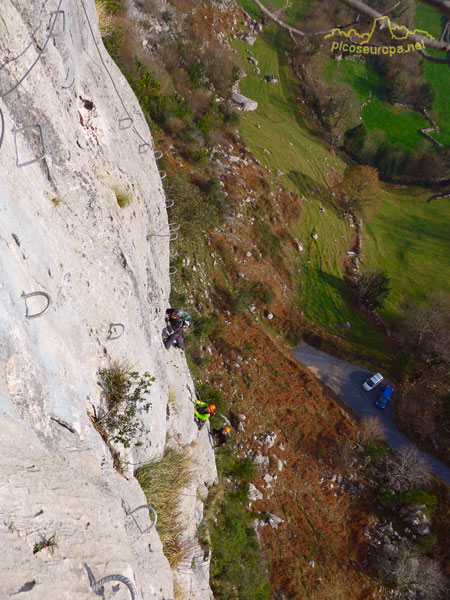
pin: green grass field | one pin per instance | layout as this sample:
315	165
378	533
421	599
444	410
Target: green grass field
293	149
438	75
400	125
409	238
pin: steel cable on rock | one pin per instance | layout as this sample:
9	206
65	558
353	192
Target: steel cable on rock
41	52
2	125
111	77
31	40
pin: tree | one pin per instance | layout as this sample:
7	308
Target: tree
371	430
355	139
406	469
373	288
397	85
426	326
412	575
359	189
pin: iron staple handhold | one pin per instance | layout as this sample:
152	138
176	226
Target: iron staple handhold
49	301
111	329
59	12
17	130
97	586
123	120
152	510
143	148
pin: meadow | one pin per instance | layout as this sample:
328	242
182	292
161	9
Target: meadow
406	237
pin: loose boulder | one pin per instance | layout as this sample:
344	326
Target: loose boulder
245	103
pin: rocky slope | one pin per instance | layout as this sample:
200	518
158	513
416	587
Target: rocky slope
64	103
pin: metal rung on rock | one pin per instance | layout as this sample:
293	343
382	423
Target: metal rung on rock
143	148
112	331
57	13
41	134
125	120
152	510
25	296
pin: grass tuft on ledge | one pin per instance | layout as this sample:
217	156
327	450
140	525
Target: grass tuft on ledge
163	483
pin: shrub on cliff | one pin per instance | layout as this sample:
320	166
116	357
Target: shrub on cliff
125	393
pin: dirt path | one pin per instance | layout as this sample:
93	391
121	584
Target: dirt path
346	379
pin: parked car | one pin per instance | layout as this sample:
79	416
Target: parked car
372	382
383	399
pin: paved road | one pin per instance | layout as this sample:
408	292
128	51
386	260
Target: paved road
346	381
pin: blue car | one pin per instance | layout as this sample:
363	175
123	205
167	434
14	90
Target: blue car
383	399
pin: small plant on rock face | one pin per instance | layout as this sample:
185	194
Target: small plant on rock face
105	10
44	543
125	392
123	197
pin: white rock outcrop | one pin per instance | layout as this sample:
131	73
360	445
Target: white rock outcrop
63	233
244	102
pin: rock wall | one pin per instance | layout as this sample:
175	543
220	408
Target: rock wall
72	136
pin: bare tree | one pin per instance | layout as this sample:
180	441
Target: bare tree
426	325
371	430
406	469
412	575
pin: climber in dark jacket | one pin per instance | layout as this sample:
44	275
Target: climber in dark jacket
176	320
223	435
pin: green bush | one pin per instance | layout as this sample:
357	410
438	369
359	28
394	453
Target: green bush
241	298
228	115
191	209
420	497
429	543
249	292
374	453
383	494
125	391
241	468
263	292
208	393
203	327
113	6
268	242
373	287
113	44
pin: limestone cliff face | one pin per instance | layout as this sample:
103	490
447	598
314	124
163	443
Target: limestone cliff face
64	102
